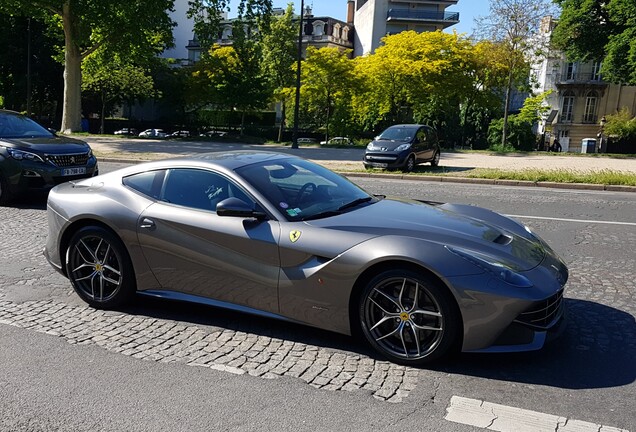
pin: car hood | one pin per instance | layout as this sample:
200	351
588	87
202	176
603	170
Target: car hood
47	145
387	145
467	227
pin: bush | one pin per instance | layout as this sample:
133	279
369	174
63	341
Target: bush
520	135
621	125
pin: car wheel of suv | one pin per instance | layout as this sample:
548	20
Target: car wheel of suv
5	195
409	165
435	160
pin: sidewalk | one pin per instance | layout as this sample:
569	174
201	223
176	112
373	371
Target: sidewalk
347	160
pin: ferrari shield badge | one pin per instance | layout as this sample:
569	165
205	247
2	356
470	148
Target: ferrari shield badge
294	236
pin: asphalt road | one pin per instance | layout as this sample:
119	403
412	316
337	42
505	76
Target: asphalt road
65	367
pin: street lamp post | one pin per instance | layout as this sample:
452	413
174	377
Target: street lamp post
601	135
298	64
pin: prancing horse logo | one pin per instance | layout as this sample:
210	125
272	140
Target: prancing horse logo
294	236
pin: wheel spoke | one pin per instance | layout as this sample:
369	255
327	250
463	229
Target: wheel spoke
107	279
79	251
391	299
93	254
402	294
81	267
112	270
86	277
421	327
389	334
426	312
101	287
417	339
386	312
382	321
406	351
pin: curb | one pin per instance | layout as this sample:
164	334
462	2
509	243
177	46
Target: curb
465	180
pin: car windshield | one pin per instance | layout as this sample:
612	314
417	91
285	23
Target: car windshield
19	126
303	190
398	133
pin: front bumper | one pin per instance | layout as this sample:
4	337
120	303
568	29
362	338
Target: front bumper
384	159
28	175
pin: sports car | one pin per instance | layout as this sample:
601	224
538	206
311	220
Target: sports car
283	237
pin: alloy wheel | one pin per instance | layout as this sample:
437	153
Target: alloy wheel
403	318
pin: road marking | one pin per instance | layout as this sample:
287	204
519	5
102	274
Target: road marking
503	418
573	220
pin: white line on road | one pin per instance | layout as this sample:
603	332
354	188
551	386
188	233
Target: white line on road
574	220
503	418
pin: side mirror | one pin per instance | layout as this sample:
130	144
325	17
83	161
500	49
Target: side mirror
235	207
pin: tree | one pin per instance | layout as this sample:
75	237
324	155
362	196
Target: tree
114	81
141	28
46	74
514	25
600	30
327	80
279	55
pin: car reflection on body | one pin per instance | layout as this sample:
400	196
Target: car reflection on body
152	133
33	158
280	236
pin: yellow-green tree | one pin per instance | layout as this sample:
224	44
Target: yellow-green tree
327	85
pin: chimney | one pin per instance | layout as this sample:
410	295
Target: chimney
351	7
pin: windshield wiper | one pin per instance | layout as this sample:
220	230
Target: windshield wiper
355	203
321	215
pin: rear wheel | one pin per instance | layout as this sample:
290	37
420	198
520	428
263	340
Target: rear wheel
99	268
435	160
408	317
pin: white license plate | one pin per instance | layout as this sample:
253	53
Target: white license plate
378	164
74	171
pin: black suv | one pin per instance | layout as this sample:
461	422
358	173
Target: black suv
403	146
32	157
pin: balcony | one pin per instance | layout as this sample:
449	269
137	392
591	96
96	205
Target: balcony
569	77
589	119
447	18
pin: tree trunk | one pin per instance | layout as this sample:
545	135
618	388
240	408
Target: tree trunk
101	124
242	122
283	116
504	132
72	105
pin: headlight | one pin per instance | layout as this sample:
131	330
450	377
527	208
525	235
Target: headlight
493	267
370	146
22	155
403	147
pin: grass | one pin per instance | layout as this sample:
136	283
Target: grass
603	177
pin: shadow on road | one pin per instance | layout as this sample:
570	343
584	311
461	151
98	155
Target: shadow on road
597	350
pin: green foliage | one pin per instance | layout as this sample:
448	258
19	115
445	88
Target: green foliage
534	108
519	138
600	29
622	125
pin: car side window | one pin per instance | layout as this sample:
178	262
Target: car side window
199	189
148	183
421	136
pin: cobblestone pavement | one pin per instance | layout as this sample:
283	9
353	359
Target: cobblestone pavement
600	297
165	340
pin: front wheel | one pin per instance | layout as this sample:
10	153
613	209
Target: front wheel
409	165
408	317
99	268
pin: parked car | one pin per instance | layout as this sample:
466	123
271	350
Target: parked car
213	133
307	141
32	157
337	141
126	131
180	134
283	237
153	133
403	146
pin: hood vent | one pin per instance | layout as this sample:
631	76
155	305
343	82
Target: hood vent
503	239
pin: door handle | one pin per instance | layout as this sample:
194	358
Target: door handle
147	224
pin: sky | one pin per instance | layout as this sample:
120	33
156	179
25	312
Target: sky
468	10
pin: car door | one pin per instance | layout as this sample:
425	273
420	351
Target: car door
192	250
427	144
419	144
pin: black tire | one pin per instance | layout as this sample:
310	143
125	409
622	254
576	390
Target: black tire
99	268
409	165
402	329
435	160
5	194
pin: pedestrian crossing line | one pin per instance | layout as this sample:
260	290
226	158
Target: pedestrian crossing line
502	418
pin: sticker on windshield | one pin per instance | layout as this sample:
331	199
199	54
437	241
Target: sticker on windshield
283	205
294	212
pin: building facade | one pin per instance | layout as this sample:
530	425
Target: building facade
580	98
374	19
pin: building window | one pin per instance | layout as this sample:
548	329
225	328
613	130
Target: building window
567	107
319	28
336	31
570	71
227	32
345	33
596	71
591	104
